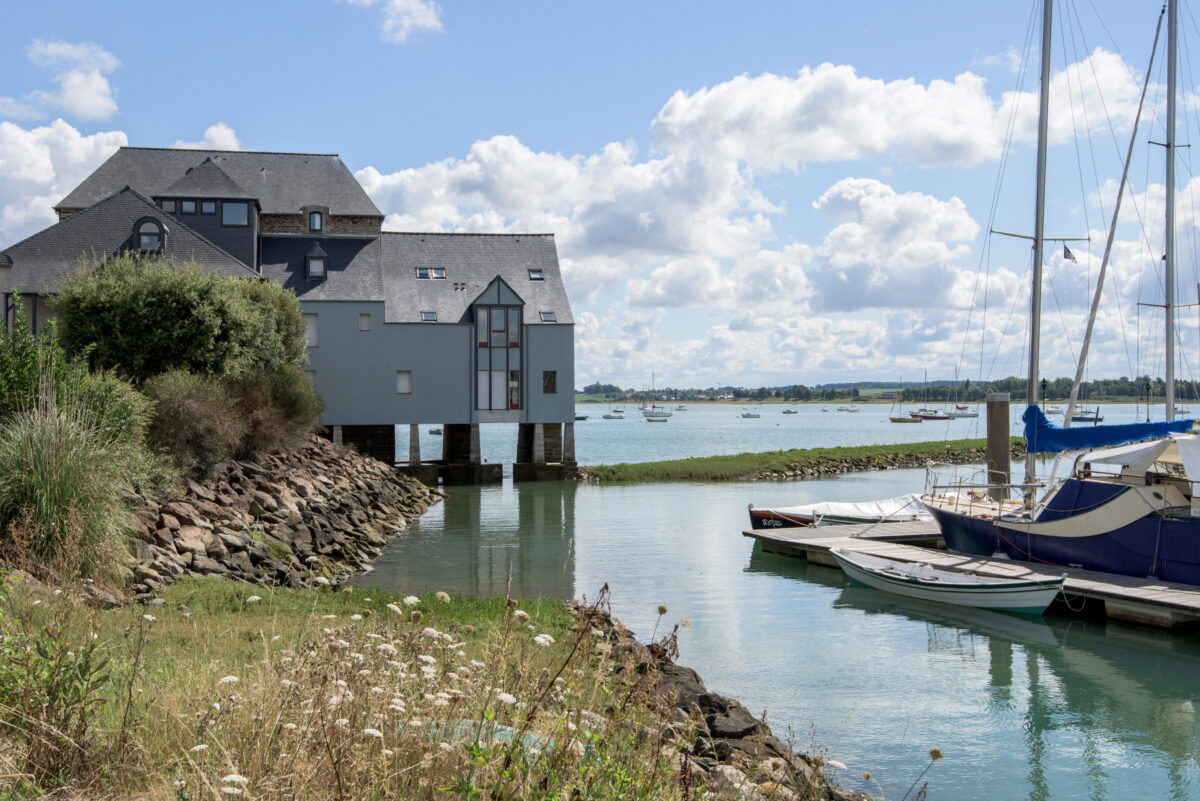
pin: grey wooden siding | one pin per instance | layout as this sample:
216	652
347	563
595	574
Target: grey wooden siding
549	347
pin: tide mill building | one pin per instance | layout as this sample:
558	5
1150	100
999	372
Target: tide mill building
404	329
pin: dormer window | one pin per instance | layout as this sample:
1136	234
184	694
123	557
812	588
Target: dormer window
151	235
537	275
316	262
316	221
547	317
431	272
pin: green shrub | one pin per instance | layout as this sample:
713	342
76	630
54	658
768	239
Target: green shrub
280	409
19	366
195	419
145	317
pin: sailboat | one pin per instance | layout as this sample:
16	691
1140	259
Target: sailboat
1128	510
651	411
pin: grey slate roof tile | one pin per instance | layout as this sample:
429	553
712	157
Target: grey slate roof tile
282	182
206	180
40	262
351	267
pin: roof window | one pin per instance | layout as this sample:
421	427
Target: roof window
429	317
547	317
431	272
537	275
315	263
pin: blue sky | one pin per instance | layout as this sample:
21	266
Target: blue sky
763	193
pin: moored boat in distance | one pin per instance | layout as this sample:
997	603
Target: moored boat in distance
930	414
926	582
613	415
751	415
790	411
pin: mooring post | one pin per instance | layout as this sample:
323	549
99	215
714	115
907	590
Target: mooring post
999	456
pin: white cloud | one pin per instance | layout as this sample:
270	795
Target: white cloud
39	166
218	136
402	18
83	91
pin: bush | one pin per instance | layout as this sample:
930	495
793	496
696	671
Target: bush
145	317
280	409
195	419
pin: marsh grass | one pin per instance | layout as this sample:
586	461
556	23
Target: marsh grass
338	695
746	466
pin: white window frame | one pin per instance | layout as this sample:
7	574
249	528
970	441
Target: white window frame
310	330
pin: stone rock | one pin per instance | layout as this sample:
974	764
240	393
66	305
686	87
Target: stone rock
190	538
727	718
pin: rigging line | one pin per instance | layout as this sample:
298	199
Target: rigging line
1012	310
1002	167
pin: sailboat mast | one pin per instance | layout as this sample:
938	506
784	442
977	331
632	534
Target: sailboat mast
1169	247
1035	309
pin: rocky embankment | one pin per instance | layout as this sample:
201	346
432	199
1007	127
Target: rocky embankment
312	515
880	461
733	753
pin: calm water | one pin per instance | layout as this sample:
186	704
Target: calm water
1022	709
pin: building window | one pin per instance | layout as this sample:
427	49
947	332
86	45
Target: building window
514	389
547	317
208	207
236	214
167	206
315	220
187	207
364	322
315	267
537	275
514	328
404	382
310	330
431	272
429	317
150	235
549	382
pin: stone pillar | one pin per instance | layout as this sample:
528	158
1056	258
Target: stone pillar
552	442
414	444
337	435
539	444
999	456
568	454
474	456
524	443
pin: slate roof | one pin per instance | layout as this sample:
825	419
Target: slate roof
351	267
206	180
283	183
40	262
473	260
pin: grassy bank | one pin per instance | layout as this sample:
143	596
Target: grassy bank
754	466
321	695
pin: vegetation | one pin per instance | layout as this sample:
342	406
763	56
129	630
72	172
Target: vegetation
747	466
330	695
146	316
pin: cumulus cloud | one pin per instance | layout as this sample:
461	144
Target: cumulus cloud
218	136
83	89
39	166
403	18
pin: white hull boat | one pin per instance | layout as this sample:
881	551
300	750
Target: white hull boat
928	583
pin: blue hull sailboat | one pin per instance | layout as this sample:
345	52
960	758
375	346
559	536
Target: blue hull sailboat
1127	510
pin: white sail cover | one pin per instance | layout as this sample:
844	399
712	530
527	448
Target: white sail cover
904	507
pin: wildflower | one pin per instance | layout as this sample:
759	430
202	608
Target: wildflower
387	752
328	617
442	596
544	640
356	617
179	784
231	790
228	680
427	659
217	707
253	599
431	632
521	615
441	702
833	763
866	775
506	698
935	754
324	582
198	749
684	622
234	778
395	609
342	723
469	629
531	628
377	691
411	600
445	747
386	647
417	616
376	733
603	648
150	618
662	610
290	726
819	760
477	663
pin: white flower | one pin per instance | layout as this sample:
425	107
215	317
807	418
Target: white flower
477	663
356	617
329	617
150	618
427	659
179	784
431	632
395	609
228	680
411	600
544	640
377	691
833	763
520	615
290	726
342	723
441	596
441	702
388	752
386	647
234	778
506	698
324	582
376	733
231	790
253	599
286	683
196	749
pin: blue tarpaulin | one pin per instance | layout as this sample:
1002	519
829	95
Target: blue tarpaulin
1041	436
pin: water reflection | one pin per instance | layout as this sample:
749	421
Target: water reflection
472	544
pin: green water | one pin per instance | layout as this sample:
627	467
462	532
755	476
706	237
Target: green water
1022	709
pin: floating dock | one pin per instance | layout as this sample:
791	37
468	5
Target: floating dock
1127	598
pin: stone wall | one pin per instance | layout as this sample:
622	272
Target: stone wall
335	225
313	515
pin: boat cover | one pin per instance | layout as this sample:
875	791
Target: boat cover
1042	436
901	508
